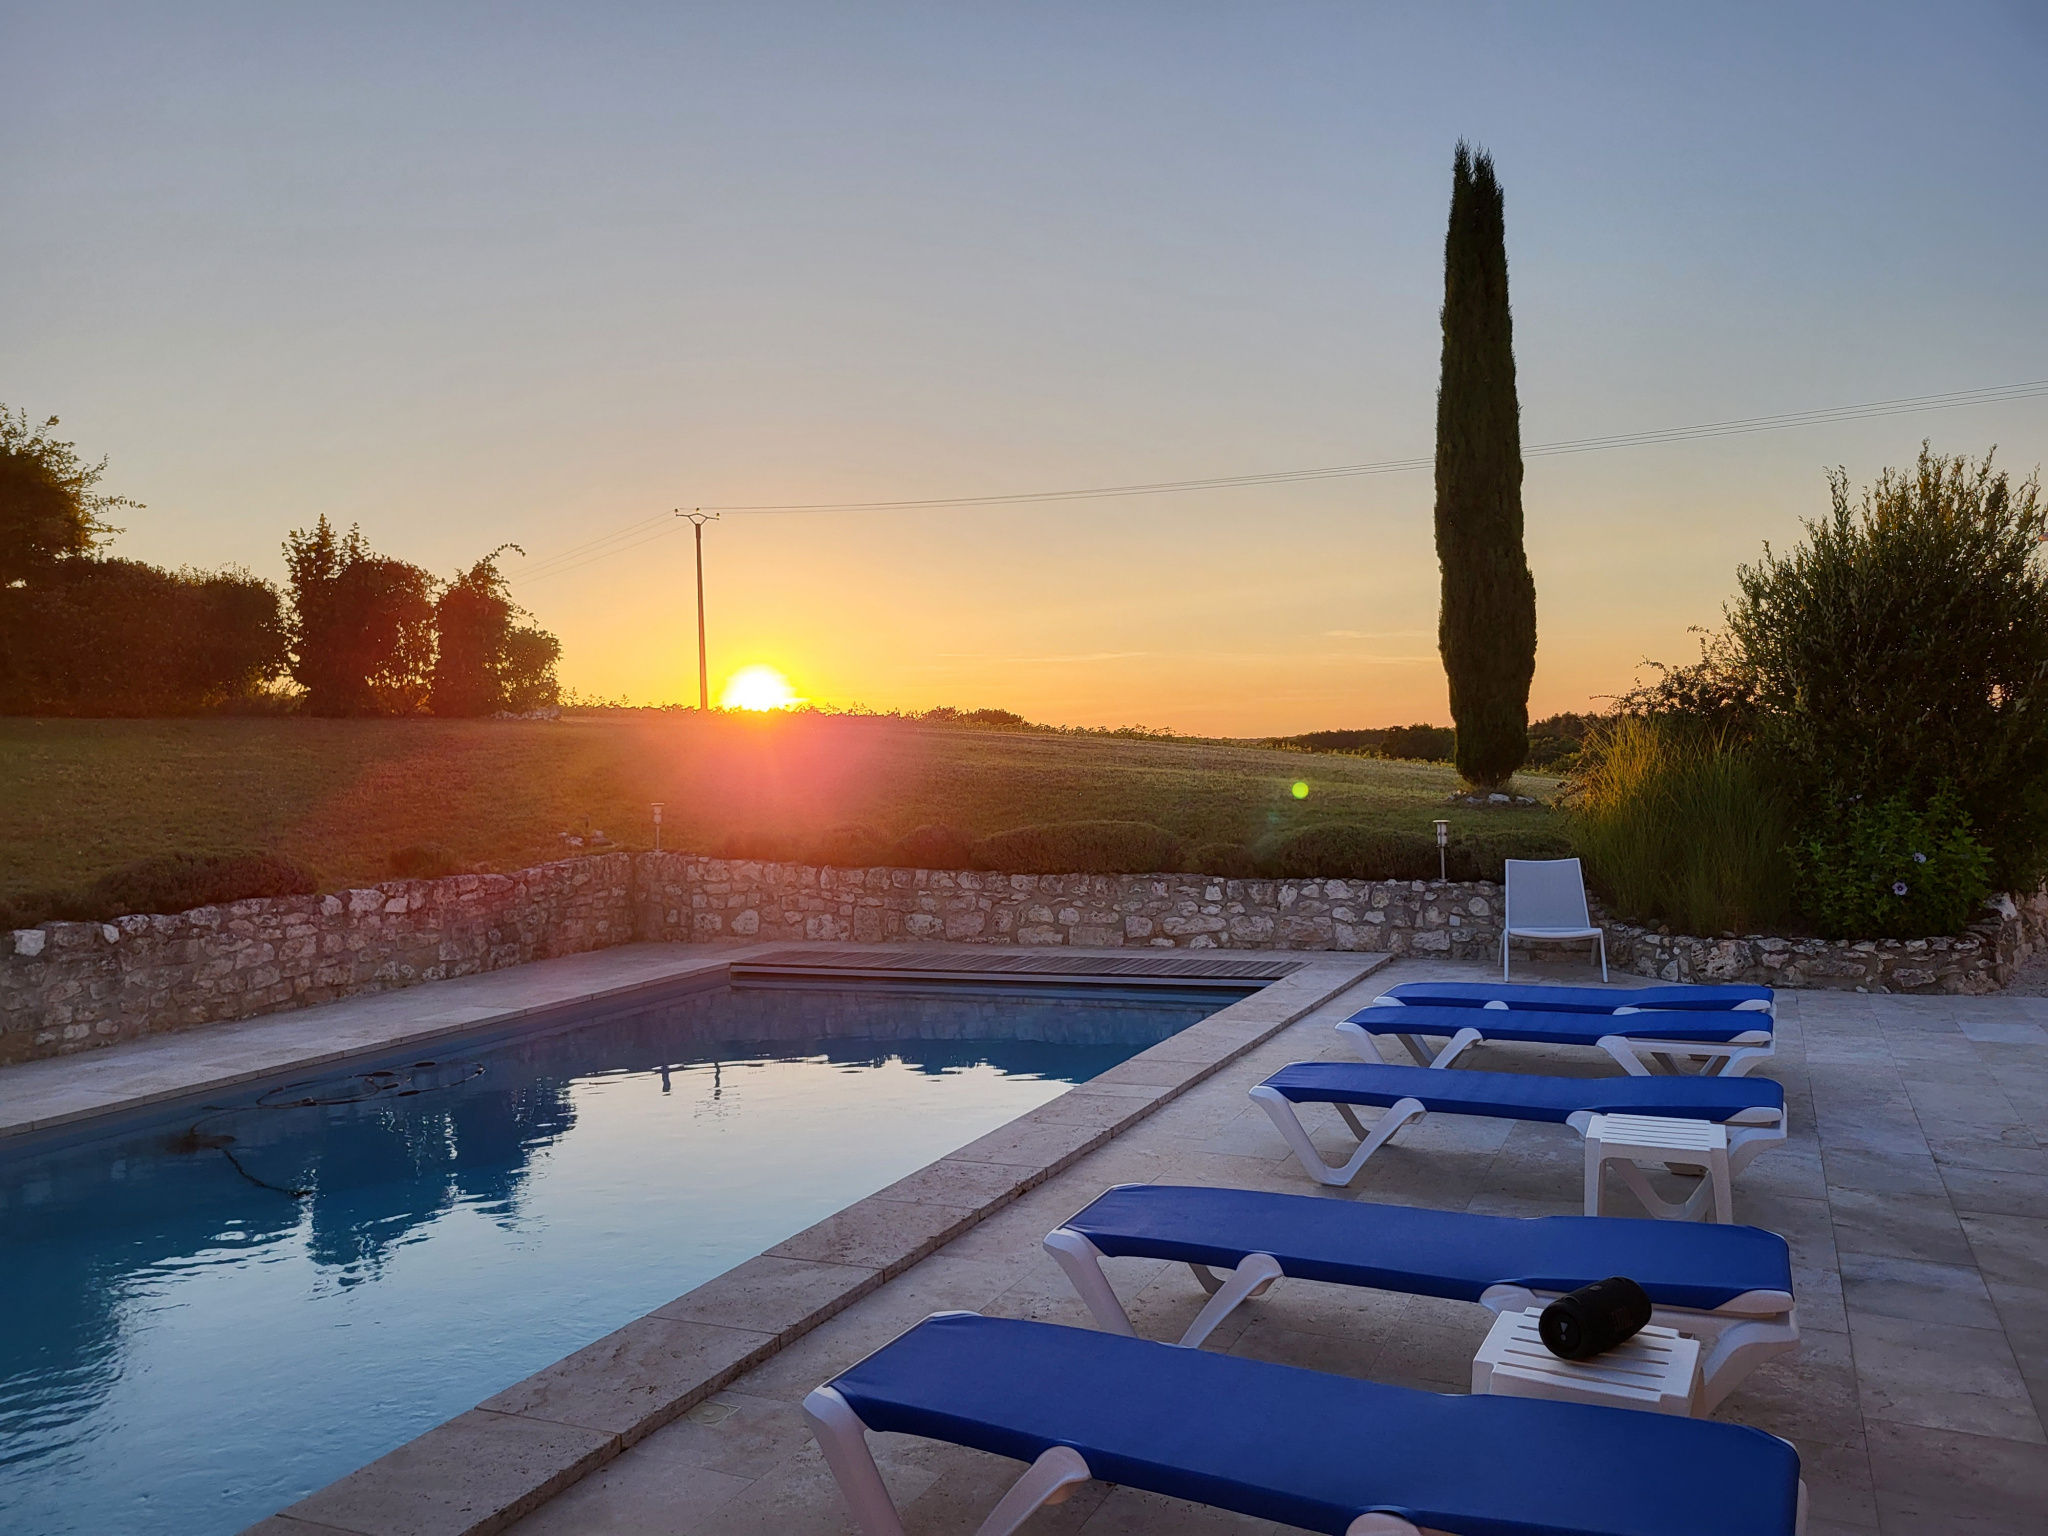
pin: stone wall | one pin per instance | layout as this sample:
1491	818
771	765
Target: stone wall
1981	959
685	897
69	986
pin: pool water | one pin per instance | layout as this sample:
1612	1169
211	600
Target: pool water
207	1313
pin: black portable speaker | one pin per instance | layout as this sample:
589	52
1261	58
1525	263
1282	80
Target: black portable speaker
1594	1318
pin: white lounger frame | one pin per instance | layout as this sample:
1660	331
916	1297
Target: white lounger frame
1749	1132
1717	1058
1735	1338
1049	1480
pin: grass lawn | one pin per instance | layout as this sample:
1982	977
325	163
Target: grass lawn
81	797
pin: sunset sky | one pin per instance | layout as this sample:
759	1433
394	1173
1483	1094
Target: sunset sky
470	274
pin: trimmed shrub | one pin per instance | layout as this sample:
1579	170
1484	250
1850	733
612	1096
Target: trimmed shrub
1340	852
1484	856
1230	861
761	845
423	861
179	882
935	846
175	882
1892	872
849	846
1678	826
32	907
1082	848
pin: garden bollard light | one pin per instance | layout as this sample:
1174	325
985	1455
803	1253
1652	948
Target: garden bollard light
657	805
1443	841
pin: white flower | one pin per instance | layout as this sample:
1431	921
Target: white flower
1919	858
1898	887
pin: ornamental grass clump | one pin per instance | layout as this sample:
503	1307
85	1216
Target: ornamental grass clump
1677	825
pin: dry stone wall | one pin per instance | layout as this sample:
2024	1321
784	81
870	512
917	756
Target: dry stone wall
684	897
70	986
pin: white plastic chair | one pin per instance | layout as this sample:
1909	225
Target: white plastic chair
1546	900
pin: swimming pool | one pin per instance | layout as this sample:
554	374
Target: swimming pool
212	1311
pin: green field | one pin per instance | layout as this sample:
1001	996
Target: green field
81	797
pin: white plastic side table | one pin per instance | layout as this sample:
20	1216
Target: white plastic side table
1657	1370
1630	1140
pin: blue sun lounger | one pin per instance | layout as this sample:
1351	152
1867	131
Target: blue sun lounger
1752	1108
1275	1442
1729	1287
1494	994
1727	1042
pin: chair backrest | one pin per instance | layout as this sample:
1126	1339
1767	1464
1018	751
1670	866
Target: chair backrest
1546	893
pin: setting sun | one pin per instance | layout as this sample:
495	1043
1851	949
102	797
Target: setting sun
757	687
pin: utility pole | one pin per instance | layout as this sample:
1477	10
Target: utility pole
697	521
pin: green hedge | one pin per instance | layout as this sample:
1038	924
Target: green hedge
174	882
1342	852
935	846
423	861
853	845
1230	861
1082	848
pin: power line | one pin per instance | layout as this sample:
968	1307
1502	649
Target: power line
621	540
1394	466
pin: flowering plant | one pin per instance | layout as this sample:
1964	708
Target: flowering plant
1890	871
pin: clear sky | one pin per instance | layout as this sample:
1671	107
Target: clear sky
468	274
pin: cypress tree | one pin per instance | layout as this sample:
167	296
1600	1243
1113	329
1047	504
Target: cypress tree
1487	630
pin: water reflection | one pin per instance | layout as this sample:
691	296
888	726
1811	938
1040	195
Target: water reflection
113	1241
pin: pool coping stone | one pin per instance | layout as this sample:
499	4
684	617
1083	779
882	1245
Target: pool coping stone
527	1443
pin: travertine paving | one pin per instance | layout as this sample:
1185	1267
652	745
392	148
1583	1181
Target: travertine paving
1914	1190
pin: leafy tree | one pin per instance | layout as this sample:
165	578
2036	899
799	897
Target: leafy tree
1903	649
362	625
50	507
485	662
1487	632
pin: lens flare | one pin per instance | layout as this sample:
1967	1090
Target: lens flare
757	687
1301	789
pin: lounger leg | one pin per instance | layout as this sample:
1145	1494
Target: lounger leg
1656	1205
1289	1125
1253	1274
843	1438
1623	1050
1601	941
1460	1042
1745	1141
1082	1261
1738	1063
1055	1474
1361	1041
1738	1350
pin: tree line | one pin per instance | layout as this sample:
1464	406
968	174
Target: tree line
357	632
